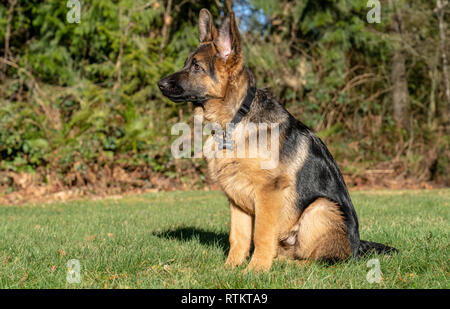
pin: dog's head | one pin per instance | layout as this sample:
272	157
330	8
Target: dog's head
208	69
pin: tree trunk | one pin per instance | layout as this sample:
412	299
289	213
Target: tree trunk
434	77
7	52
440	10
400	94
166	27
229	6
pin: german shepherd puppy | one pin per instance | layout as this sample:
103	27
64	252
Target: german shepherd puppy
300	209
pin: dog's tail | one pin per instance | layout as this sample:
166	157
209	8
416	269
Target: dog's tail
366	247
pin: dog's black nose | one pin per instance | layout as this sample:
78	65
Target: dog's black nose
163	84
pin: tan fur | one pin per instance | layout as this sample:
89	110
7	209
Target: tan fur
222	111
269	203
264	195
241	232
257	193
322	232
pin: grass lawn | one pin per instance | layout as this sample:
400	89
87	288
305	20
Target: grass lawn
180	240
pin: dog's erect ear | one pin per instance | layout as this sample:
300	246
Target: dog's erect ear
228	41
206	30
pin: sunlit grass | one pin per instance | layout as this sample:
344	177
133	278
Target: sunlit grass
180	240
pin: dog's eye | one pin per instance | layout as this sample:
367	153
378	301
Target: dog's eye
195	66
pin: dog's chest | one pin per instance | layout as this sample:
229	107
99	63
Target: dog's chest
235	179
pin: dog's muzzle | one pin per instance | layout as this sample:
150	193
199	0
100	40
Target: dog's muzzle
170	88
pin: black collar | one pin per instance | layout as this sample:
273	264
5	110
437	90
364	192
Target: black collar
224	139
245	106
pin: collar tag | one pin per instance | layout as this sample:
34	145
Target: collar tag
225	141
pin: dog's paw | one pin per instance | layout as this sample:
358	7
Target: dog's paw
234	260
259	265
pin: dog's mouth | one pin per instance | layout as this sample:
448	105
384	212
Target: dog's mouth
178	95
186	98
174	92
177	98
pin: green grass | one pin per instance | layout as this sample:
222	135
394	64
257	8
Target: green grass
180	240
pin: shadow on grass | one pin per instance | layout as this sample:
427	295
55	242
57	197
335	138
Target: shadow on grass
217	239
207	238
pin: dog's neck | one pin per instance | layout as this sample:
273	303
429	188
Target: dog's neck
222	111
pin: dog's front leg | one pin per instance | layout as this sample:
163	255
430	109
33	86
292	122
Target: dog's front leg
267	216
241	227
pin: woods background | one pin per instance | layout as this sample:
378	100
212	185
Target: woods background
80	111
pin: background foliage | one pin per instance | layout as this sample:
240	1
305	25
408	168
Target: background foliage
79	105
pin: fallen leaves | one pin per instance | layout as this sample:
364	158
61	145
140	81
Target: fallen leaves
160	268
406	277
7	259
117	276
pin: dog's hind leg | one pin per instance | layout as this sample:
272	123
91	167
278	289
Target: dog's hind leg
322	233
